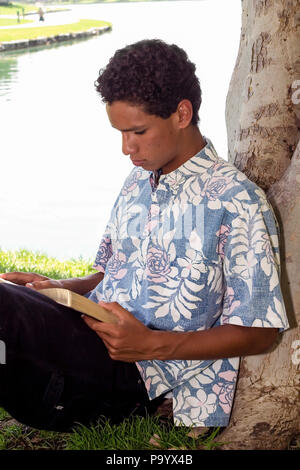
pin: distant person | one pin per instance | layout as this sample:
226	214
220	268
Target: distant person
189	264
41	14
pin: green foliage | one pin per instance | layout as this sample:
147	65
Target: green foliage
28	261
3	414
12	21
13	8
15	34
134	433
137	433
15	436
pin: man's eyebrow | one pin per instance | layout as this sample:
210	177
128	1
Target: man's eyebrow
131	129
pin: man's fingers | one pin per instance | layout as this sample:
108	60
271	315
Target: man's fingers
117	309
13	277
111	306
31	280
94	325
98	326
21	278
90	321
36	285
45	284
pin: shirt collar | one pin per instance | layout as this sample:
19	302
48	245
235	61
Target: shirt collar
197	164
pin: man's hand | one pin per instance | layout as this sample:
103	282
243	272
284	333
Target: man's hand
80	285
31	280
129	340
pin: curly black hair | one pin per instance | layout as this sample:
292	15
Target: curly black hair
152	74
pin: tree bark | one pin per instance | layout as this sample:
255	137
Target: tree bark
263	124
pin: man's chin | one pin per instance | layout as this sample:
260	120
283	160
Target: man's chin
144	164
138	162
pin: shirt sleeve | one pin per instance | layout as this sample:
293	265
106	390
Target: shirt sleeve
252	269
104	252
107	244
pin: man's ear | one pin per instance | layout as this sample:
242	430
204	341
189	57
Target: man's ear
184	113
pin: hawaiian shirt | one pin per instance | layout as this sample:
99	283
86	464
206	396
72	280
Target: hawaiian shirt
196	249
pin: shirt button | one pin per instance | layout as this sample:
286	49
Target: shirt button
139	381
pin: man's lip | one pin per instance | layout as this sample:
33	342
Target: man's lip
137	162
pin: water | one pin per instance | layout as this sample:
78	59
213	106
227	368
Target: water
61	163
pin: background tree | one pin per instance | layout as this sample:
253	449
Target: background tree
263	124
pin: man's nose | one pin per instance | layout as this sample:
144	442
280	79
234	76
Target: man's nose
128	144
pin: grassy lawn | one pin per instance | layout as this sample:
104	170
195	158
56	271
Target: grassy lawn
14	7
134	433
28	261
11	21
15	34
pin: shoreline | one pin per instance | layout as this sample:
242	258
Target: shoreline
49	40
47	11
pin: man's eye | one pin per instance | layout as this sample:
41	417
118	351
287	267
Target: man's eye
140	132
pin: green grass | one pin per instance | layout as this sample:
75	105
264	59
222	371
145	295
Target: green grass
15	34
137	433
14	436
13	8
3	414
11	21
28	261
133	433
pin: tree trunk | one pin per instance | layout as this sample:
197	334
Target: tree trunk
263	124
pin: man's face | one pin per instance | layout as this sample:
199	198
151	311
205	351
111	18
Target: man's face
150	141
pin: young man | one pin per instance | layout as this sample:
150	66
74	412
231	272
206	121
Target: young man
189	264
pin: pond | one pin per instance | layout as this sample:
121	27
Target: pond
61	163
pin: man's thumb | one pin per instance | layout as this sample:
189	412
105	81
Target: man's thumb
37	285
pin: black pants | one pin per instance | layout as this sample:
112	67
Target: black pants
57	371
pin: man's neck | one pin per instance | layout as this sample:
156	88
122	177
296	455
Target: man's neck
192	143
195	142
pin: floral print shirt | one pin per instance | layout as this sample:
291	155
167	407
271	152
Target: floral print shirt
196	250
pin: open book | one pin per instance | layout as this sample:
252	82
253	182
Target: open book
77	302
